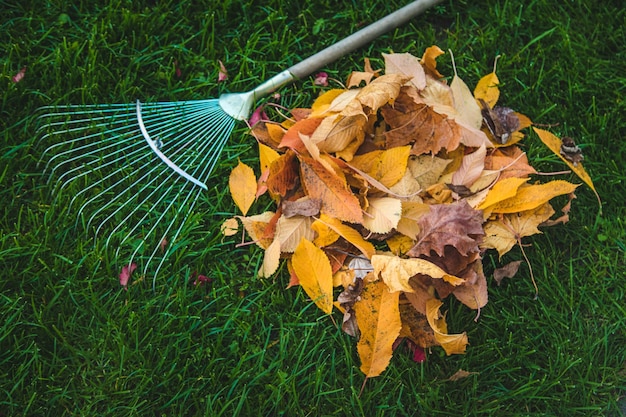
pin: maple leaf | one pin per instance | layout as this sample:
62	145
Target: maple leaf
242	185
504	232
337	199
378	318
314	272
456	225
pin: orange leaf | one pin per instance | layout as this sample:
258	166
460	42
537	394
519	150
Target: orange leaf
242	185
291	139
337	199
283	175
429	60
315	275
378	318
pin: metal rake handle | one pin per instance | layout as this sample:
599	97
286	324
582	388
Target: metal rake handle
239	105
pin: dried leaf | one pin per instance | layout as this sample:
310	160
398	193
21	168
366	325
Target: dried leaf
383	214
507	271
19	76
451	343
312	267
396	272
383	90
304	206
242	185
429	60
529	197
349	234
487	89
467	110
502	190
283	176
223	74
471	168
461	374
257	227
456	225
271	260
555	144
503	233
125	274
230	227
290	231
337	199
378	318
387	166
407	65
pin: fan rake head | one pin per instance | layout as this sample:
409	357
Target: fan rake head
136	171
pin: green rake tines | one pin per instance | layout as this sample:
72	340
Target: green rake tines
137	170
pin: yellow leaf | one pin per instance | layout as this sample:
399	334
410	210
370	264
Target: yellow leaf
323	102
383	214
349	234
451	343
554	144
400	244
503	233
502	190
429	60
378	318
325	235
271	260
336	133
487	89
396	271
267	155
315	274
242	185
529	197
387	166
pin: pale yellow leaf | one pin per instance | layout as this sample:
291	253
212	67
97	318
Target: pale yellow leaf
407	65
411	213
314	272
242	185
467	110
427	170
378	319
289	231
230	227
383	214
396	272
271	260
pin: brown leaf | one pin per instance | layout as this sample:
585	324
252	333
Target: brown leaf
381	91
378	317
511	161
305	206
418	124
507	271
456	225
337	199
461	374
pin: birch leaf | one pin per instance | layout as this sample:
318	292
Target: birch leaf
451	343
383	214
271	260
242	185
407	65
529	197
314	272
487	89
378	318
471	167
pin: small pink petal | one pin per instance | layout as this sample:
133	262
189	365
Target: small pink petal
223	75
19	76
419	355
321	78
127	271
257	116
177	70
200	279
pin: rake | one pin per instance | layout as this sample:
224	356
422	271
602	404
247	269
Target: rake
142	167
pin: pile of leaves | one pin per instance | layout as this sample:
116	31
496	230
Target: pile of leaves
388	195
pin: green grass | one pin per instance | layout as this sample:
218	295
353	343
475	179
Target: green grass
72	342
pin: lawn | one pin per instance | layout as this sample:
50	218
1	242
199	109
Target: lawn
74	342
